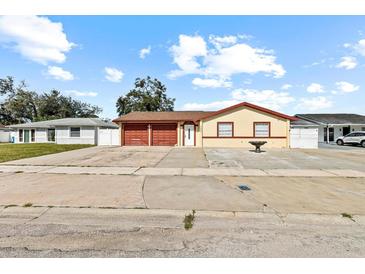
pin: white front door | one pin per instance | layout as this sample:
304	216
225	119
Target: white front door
189	135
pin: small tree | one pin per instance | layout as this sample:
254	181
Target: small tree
147	95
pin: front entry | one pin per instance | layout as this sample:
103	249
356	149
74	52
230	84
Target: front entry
331	136
346	130
26	136
189	135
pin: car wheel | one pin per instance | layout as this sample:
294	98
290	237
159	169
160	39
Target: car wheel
340	142
363	143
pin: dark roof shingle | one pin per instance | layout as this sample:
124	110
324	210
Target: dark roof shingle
334	118
302	122
163	116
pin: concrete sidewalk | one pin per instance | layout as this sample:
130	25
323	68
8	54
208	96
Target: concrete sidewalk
159	171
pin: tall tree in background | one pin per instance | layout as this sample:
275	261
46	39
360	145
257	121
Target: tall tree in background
147	95
19	105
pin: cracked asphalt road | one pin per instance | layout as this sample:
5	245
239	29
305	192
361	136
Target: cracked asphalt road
75	232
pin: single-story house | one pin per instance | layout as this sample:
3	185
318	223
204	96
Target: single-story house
234	126
4	134
91	131
332	126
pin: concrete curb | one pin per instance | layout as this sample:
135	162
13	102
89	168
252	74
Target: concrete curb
141	171
162	217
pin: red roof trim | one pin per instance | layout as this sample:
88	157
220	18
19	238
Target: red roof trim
151	121
245	104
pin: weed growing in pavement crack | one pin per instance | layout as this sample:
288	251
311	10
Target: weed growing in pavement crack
189	220
27	205
347	215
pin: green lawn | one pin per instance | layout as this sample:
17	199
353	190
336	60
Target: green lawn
10	152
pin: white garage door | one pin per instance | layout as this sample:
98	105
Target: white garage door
108	137
304	137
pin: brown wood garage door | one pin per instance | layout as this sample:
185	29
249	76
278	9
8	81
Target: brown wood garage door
135	135
164	135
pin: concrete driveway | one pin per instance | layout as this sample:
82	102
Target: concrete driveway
287	158
101	156
170	157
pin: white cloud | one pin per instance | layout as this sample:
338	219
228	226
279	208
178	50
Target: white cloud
81	93
144	52
211	83
286	86
347	62
359	47
266	98
345	87
222	41
185	55
347	45
242	58
60	74
35	38
317	63
113	74
315	103
210	106
227	56
315	88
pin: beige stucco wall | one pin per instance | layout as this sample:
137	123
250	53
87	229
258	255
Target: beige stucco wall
179	134
243	142
243	119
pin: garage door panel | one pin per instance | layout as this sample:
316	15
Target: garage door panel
136	135
108	137
164	135
304	138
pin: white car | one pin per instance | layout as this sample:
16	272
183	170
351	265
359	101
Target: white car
353	138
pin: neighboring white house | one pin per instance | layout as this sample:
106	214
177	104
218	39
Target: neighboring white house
332	126
91	131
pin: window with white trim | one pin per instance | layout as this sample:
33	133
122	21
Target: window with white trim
51	135
262	129
75	132
225	129
20	135
32	135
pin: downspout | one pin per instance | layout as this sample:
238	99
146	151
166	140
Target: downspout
328	134
201	132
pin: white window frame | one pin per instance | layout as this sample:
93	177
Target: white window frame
70	129
261	135
225	135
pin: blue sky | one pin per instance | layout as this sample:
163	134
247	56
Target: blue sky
292	64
